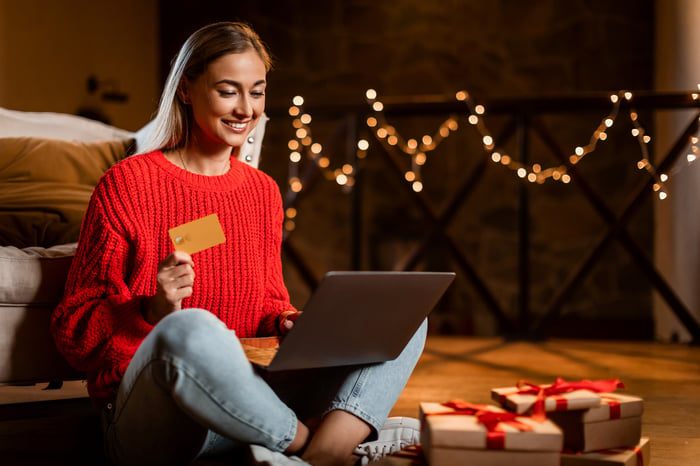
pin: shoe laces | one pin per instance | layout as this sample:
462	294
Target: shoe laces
374	451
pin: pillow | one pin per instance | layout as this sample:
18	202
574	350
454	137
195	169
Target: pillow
45	186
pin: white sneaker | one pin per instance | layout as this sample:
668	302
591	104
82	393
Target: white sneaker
397	433
261	456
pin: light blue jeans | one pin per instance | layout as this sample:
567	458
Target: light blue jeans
190	392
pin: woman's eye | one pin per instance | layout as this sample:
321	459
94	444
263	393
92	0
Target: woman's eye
257	93
227	93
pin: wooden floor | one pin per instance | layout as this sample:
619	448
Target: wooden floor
667	376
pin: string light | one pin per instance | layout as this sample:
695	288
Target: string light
417	149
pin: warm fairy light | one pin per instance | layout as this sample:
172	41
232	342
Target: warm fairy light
291	212
479	109
427	140
289	225
662	195
462	95
295	157
323	162
363	144
371	94
496	157
293	111
522	173
382	133
412	144
420	158
392	140
614	98
417	186
301	133
347	169
297	123
293	144
578	150
473	119
628	95
609	122
409	176
306	118
663	177
487	140
295	184
377	106
341	179
316	148
371	122
298	101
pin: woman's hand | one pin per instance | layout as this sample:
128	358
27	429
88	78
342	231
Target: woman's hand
174	283
285	321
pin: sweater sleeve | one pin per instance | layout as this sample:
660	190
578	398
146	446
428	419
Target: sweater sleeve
276	298
98	325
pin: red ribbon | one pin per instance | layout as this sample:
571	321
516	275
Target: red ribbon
495	436
557	388
615	407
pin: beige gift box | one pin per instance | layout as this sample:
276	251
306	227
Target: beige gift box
520	403
616	422
451	438
639	455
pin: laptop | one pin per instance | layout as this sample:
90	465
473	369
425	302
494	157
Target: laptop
353	317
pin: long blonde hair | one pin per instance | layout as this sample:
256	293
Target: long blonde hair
169	129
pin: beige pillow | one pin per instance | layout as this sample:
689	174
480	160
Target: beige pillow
45	185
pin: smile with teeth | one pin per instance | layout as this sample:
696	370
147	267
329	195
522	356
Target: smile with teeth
238	126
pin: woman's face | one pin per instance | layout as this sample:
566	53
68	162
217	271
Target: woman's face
227	100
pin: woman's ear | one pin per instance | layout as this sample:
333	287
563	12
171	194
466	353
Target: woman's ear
183	92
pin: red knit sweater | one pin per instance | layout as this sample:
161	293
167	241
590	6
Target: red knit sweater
98	326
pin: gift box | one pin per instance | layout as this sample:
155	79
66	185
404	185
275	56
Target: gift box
639	455
616	422
458	433
559	396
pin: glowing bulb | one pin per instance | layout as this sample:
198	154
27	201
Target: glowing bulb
663	177
371	122
301	133
691	158
536	168
565	178
496	157
657	186
473	119
294	111
347	169
371	94
579	151
293	144
363	144
662	195
609	122
642	163
479	109
297	123
427	140
392	140
412	144
298	100
295	157
603	136
316	148
444	131
306	118
462	95
377	106
532	177
341	179
522	173
410	176
614	98
382	133
635	132
628	95
289	225
417	186
295	185
420	158
487	140
505	160
291	212
323	162
646	139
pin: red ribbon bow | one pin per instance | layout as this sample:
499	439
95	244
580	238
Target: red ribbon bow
495	436
559	387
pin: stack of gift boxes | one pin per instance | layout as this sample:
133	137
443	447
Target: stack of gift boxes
560	424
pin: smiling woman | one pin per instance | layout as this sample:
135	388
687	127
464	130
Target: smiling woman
158	329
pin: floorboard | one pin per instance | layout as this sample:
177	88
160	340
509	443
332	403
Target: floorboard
667	376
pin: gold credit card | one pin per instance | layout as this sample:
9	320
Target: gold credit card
197	235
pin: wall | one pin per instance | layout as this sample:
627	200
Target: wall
49	49
677	249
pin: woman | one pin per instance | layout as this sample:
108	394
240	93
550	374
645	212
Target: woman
156	330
